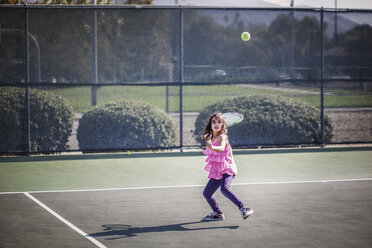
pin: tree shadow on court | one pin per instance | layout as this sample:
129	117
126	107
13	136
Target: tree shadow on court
125	231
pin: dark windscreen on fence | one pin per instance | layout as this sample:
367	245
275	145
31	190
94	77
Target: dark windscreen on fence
122	78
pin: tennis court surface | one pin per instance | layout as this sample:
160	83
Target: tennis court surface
301	198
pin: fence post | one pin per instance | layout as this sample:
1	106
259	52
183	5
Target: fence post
181	77
322	76
94	77
170	78
292	41
27	93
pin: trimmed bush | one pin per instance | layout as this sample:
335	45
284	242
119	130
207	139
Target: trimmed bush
51	120
269	120
126	125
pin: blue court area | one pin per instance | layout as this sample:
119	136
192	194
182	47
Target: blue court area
301	197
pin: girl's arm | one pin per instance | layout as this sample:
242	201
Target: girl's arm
222	144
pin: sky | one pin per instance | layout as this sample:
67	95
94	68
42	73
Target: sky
343	4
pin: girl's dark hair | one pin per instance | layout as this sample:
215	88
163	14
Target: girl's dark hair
208	132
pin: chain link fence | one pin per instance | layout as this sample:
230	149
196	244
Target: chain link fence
58	63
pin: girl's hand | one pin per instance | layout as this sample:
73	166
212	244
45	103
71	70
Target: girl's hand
209	143
222	143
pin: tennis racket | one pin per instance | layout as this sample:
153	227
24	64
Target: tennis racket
233	118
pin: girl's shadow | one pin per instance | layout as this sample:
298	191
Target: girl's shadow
124	231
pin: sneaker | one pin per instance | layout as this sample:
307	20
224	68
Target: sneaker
214	216
246	212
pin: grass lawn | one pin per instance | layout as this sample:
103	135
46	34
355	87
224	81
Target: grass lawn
195	98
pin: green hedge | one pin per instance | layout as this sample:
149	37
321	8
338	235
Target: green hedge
126	125
269	120
51	120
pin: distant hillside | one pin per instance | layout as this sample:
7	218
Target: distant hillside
345	22
265	17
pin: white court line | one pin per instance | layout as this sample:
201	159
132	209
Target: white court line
191	186
87	236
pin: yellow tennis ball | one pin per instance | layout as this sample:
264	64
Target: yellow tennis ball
128	153
245	36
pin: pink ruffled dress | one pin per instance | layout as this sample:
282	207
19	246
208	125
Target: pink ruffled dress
219	163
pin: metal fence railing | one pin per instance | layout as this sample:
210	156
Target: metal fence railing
56	63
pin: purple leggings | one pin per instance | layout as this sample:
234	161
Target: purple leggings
213	185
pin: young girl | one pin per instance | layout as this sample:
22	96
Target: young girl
221	167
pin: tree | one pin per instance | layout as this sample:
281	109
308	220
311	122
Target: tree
134	45
357	43
12	1
73	2
139	2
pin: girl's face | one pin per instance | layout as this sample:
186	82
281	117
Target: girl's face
216	124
